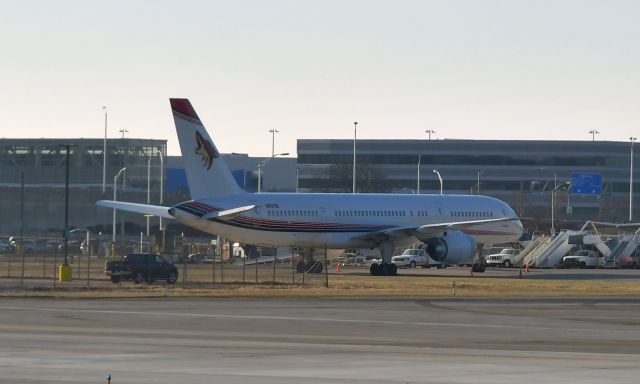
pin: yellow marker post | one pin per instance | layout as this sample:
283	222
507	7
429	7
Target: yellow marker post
65	273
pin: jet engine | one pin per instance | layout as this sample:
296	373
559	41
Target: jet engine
453	247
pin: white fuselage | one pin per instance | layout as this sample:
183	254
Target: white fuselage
341	220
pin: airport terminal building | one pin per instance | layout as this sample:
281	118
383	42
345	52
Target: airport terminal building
523	173
42	164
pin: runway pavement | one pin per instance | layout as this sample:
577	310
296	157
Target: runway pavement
320	340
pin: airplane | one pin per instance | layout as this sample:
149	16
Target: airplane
450	226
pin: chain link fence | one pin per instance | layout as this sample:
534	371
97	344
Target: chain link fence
200	265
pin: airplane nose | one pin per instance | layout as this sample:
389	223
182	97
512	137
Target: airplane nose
519	226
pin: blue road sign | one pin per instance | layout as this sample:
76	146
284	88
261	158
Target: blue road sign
586	183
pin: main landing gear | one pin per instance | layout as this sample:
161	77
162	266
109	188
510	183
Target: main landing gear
384	269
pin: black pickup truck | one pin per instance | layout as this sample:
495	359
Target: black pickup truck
140	267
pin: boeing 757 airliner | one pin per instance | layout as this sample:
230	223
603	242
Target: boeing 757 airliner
451	226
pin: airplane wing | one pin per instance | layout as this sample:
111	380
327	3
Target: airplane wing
228	213
145	209
428	229
460	225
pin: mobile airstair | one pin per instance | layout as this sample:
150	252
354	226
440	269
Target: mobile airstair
533	244
558	248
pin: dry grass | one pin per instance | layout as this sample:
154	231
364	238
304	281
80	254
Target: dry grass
357	286
204	281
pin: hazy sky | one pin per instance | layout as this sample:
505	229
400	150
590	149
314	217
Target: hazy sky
467	69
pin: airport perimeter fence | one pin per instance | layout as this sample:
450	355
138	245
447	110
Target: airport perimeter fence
41	268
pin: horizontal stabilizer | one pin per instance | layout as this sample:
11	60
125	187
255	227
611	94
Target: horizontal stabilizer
145	209
228	213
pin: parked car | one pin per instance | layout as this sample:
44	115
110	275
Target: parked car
140	267
582	259
506	258
414	257
196	258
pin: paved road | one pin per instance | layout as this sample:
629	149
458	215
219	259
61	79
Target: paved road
320	340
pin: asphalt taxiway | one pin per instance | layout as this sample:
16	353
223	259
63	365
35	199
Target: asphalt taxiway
315	340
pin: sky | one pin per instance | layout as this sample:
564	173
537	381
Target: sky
467	69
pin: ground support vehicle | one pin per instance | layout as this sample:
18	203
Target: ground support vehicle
582	259
141	267
414	257
506	258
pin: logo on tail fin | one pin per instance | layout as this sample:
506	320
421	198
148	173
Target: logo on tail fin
206	151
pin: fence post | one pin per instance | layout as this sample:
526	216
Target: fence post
293	268
326	268
275	259
89	269
244	267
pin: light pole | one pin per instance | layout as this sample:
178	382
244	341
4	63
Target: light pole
439	178
593	133
123	131
244	168
555	189
273	141
104	152
262	164
148	190
161	182
633	139
418	186
429	132
355	135
115	189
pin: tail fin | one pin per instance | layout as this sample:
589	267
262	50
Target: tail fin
207	173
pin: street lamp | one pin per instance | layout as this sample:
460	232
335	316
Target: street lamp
262	164
123	131
593	133
244	168
104	152
556	188
418	186
161	182
148	190
439	178
355	134
115	189
633	139
429	132
273	141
